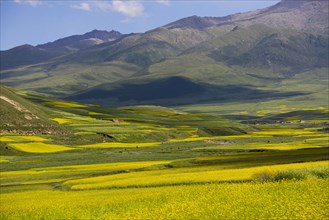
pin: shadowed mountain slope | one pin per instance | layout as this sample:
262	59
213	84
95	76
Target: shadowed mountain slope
24	55
172	91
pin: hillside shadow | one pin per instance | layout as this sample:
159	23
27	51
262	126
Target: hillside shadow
174	91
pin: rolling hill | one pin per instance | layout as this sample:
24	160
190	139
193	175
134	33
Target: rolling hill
21	116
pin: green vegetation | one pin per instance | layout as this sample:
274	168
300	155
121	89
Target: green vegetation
19	115
155	162
293	174
244	134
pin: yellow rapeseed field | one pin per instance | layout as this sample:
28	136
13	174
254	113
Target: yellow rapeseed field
180	176
21	138
63	120
284	146
61	173
121	145
307	199
39	147
94	113
6	139
285	132
65	104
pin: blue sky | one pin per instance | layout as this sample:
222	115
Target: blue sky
41	21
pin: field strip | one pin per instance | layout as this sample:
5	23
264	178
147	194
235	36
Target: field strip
180	176
39	147
121	145
61	173
22	138
273	200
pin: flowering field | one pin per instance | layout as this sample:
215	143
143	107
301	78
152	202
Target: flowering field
181	176
156	163
306	199
39	147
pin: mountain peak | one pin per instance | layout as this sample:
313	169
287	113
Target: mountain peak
303	15
77	42
102	35
290	4
195	22
25	46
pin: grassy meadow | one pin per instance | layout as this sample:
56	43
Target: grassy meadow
149	162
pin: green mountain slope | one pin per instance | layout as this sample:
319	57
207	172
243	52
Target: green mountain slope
25	55
278	51
257	51
103	63
67	122
282	51
21	116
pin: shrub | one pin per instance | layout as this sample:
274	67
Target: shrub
292	174
265	176
295	174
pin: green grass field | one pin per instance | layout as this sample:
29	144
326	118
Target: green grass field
151	162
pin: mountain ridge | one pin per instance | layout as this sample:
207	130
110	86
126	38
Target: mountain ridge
35	54
67	42
271	16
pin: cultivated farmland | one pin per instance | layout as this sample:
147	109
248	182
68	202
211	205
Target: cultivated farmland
150	162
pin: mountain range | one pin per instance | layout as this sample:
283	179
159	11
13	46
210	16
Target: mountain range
28	54
248	56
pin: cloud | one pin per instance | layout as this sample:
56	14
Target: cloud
82	6
128	8
29	2
102	5
163	2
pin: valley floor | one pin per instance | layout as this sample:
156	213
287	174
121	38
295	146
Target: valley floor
157	163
